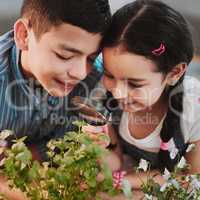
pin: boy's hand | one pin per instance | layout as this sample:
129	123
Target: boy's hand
95	132
10	194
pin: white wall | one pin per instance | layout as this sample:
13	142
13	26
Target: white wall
115	4
189	7
9	10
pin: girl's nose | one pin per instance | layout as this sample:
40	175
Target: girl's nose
121	90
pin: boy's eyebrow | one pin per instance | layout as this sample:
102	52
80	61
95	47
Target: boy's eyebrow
74	50
68	48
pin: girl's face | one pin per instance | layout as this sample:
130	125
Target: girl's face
133	80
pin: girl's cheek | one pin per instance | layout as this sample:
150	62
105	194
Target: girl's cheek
141	96
138	94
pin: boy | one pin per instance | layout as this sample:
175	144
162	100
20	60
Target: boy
49	52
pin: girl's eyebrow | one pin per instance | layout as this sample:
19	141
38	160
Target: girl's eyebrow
129	79
135	79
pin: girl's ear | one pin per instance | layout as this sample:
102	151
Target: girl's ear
176	73
21	30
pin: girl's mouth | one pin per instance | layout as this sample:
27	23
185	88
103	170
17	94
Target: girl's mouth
131	106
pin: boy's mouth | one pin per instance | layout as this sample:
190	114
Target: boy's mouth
66	85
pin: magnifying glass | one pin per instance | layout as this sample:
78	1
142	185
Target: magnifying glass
88	113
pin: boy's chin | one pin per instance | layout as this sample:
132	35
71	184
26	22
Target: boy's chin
59	93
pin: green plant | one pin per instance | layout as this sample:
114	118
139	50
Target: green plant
75	162
70	174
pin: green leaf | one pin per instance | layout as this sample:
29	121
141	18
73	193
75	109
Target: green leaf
79	123
33	172
104	137
92	182
65	161
24	158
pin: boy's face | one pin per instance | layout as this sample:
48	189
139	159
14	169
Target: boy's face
60	58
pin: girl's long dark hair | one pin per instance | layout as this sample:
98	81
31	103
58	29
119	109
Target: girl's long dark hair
141	27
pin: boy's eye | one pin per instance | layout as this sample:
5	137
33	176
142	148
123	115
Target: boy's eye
107	74
62	57
133	85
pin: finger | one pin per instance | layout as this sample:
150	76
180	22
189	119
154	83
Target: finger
100	177
95	138
92	136
92	129
95	129
102	144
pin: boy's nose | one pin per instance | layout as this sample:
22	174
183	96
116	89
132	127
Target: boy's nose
120	90
79	69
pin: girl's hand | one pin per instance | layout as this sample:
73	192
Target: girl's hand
105	196
137	195
95	133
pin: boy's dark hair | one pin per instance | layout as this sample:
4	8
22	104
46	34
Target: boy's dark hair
141	27
91	15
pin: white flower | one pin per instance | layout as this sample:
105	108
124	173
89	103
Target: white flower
143	165
195	183
3	143
187	178
127	189
149	197
5	134
164	186
166	174
172	182
175	183
173	153
182	163
190	148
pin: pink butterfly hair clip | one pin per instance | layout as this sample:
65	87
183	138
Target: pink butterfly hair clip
159	51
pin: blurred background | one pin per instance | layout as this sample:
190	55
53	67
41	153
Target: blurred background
9	11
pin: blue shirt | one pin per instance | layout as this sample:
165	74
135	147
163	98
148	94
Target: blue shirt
25	107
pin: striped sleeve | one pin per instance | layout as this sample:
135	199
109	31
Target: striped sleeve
6	42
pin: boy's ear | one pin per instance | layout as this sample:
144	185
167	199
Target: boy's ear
176	73
21	33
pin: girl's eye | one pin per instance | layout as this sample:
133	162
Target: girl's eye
132	85
107	74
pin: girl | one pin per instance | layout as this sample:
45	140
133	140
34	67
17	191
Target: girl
146	53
